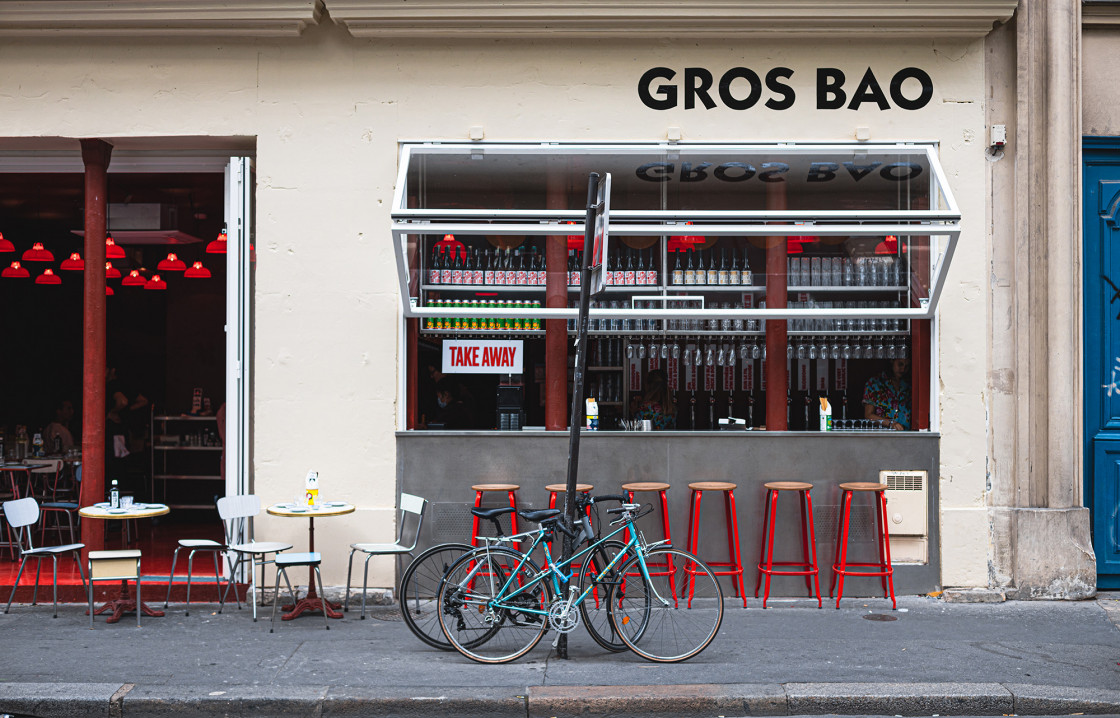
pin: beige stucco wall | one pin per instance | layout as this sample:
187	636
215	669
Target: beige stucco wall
328	111
1100	52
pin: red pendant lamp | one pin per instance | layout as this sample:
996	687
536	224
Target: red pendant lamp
155	283
48	277
73	263
218	246
112	251
15	272
134	279
109	291
889	245
197	271
111	272
5	245
171	263
38	254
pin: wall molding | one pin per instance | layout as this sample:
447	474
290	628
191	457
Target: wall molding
661	18
157	18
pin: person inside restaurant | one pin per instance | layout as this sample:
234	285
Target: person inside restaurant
451	411
57	437
886	397
656	404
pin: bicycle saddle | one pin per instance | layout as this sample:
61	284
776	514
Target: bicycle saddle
492	513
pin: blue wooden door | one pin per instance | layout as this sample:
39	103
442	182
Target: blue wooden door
1102	352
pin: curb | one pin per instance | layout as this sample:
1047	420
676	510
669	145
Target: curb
55	700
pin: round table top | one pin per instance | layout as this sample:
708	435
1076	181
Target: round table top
136	511
328	508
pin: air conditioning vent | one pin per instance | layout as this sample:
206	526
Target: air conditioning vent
907	503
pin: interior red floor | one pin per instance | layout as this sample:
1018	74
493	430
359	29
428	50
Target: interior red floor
155	539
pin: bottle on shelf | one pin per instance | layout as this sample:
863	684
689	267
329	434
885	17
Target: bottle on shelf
745	276
629	277
724	275
114	495
733	270
542	272
519	276
444	267
651	272
37	444
678	271
640	270
488	268
457	267
477	270
701	269
712	278
689	271
433	268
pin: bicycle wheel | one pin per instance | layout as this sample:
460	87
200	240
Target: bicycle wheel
420	588
471	621
673	630
610	586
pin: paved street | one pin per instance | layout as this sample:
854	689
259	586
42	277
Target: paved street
936	657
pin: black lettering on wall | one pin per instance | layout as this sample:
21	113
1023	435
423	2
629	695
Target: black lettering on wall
666	98
830	91
869	90
923	98
774	84
740	73
697	82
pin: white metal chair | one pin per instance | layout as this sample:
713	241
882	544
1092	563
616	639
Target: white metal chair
21	515
67	508
236	512
194	546
410	506
121	565
283	562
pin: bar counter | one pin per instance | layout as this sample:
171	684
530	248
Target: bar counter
442	465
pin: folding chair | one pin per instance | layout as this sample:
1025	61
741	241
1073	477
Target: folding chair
21	514
409	506
236	512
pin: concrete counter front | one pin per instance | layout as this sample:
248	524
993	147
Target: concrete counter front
442	465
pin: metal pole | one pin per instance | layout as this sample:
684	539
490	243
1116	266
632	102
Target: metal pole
576	418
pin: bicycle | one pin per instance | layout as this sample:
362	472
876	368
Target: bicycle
419	586
505	618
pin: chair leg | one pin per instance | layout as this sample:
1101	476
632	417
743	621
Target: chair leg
349	571
770	547
693	537
78	562
275	600
190	566
326	618
887	547
90	611
171	576
54	593
38	571
139	601
22	563
218	582
365	584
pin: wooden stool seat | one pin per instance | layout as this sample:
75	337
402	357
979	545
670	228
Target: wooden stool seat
582	488
495	487
863	486
788	485
712	486
645	486
733	566
807	566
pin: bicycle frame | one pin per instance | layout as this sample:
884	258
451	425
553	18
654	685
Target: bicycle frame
555	570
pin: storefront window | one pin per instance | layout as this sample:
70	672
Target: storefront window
722	260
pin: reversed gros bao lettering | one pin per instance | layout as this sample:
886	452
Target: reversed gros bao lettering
741	88
772	171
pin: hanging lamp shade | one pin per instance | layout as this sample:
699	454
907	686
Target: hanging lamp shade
38	254
111	272
452	246
109	291
5	245
112	251
134	279
575	241
889	245
171	263
218	246
48	277
155	283
197	271
15	271
73	263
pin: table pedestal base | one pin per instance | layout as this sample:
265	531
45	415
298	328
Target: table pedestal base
123	605
311	602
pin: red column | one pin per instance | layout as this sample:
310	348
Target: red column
95	156
776	338
556	407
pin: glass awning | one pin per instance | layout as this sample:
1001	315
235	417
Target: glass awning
853	203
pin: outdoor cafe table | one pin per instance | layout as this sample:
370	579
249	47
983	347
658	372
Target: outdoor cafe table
312	601
124	602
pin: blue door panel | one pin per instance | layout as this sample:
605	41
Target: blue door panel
1106	505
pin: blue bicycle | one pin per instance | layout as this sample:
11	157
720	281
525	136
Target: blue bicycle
496	603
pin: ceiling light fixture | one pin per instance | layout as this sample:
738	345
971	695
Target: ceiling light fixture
134	279
112	250
15	272
48	277
38	254
5	245
111	272
218	246
155	283
171	264
197	271
109	291
73	263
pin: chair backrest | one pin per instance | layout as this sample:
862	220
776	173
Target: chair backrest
411	505
20	515
235	512
44	466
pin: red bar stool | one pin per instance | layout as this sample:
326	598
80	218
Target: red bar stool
553	490
480	489
662	568
841	563
766	562
733	563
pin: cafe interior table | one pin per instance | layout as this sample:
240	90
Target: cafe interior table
312	601
124	602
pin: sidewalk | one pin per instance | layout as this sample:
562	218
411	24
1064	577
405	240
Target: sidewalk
936	657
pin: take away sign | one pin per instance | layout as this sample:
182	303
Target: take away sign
464	356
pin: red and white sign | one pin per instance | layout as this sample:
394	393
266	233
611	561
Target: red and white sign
803	375
462	356
729	377
672	368
822	375
841	375
634	372
748	375
709	377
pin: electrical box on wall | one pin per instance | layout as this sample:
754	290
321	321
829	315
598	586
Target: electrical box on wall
907	501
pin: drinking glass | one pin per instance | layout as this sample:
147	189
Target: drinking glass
892	350
757	352
744	351
629	351
721	356
641	351
812	351
730	355
846	349
126	501
802	352
834	350
822	349
664	351
709	357
676	350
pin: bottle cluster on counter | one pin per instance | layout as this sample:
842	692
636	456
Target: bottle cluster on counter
484	324
710	271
